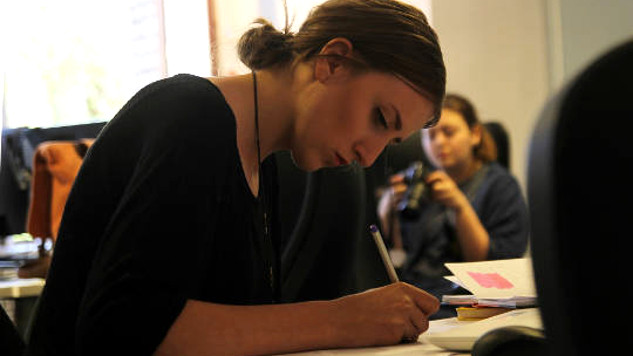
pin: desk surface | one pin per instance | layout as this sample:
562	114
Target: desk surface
20	288
420	348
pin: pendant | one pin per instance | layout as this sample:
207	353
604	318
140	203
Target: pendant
265	225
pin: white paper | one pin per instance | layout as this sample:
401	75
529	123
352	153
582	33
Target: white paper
463	337
496	279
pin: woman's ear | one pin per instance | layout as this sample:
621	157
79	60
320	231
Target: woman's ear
476	135
329	64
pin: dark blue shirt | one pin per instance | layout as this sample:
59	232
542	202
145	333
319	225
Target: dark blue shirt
431	240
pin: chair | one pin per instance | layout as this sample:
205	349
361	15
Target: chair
502	141
11	342
18	148
327	248
579	190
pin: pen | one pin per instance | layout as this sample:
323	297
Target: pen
384	255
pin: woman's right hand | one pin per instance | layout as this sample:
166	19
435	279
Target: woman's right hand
384	316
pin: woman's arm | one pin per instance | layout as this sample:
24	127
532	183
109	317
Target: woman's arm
474	240
379	316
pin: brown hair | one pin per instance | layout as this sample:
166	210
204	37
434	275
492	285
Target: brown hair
487	149
388	36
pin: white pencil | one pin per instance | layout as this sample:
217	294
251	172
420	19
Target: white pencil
384	254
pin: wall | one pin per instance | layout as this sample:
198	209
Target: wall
509	56
496	54
589	28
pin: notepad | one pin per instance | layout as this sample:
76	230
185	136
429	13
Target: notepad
499	283
462	338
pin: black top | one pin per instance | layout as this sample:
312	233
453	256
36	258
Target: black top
160	213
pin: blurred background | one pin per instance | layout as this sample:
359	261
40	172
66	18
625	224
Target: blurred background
67	62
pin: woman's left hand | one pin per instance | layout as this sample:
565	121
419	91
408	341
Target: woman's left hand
445	191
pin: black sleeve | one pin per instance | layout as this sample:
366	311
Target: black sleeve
153	249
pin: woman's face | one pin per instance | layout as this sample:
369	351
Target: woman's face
353	117
451	142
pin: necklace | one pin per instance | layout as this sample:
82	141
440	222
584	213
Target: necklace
261	193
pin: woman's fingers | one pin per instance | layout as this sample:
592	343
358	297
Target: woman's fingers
427	303
390	314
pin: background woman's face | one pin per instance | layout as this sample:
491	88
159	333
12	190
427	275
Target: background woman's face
353	117
451	142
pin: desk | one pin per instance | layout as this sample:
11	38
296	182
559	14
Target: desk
420	348
20	296
21	288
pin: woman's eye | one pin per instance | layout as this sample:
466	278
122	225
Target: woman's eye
381	119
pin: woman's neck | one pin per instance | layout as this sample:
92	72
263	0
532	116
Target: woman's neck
274	116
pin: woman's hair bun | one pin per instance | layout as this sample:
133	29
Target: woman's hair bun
264	46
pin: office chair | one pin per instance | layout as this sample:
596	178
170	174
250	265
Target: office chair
321	256
579	190
325	216
11	343
502	141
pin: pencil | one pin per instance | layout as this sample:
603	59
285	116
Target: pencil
384	255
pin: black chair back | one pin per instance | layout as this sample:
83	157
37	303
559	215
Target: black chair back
321	249
579	190
502	141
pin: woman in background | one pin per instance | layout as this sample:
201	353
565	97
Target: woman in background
169	241
474	209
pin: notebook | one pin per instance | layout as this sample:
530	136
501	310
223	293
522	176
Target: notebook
499	283
462	336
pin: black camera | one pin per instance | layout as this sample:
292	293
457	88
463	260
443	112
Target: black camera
417	190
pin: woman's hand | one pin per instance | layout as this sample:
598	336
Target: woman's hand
445	191
474	240
385	315
389	199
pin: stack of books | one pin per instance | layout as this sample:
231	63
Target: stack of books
15	250
497	287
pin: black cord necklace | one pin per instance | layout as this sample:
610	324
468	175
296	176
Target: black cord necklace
261	193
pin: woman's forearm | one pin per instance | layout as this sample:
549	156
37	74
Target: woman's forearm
380	316
473	237
216	329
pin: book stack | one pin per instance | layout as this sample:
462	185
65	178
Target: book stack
478	313
497	287
15	250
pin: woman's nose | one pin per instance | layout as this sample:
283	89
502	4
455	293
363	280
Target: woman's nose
369	150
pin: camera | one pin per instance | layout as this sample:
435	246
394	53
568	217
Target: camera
417	190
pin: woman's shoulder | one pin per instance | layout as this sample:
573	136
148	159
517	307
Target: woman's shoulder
184	110
183	87
178	101
499	176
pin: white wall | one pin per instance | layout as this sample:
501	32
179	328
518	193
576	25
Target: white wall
496	55
510	56
589	28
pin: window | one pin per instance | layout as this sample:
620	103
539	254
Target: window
65	62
